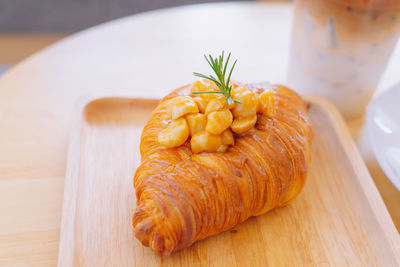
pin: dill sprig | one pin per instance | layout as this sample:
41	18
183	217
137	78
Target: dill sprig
219	68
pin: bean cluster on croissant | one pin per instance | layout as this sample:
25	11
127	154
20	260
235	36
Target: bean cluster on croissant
208	165
208	119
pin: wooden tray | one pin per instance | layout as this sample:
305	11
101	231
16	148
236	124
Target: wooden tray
339	218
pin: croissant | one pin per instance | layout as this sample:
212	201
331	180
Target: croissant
183	197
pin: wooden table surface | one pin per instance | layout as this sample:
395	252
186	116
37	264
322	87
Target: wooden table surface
145	55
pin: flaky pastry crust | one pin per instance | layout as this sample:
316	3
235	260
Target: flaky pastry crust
184	197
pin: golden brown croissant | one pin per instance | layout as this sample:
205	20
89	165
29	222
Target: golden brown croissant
183	197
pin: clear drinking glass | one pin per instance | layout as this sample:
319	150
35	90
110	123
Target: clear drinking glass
340	49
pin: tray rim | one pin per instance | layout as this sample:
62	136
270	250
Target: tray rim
364	179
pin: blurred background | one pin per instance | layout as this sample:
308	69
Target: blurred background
27	26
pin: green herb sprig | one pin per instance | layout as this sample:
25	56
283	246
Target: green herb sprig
219	68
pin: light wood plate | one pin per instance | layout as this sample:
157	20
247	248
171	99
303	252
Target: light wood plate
339	218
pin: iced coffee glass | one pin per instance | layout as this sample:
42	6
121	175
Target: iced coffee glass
340	49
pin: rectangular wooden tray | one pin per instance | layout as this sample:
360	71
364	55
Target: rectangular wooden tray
339	218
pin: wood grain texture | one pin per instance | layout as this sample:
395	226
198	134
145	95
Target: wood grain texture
338	219
38	96
16	47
